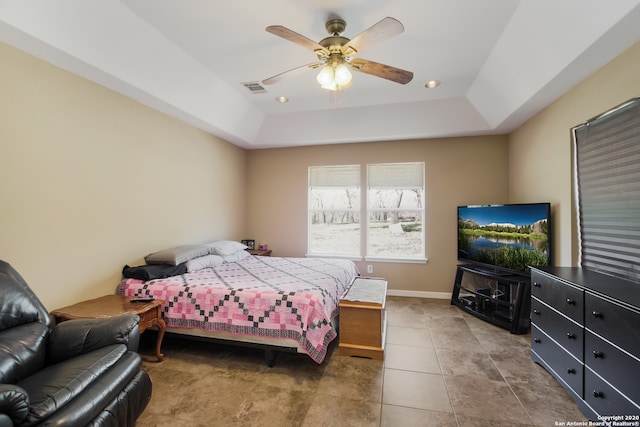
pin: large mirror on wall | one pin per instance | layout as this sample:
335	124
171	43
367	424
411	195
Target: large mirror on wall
606	158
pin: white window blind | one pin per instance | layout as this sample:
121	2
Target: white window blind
396	175
342	176
607	159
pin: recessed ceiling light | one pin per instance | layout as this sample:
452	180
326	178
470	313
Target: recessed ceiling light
282	99
432	84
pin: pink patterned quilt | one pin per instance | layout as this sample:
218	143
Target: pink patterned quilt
295	298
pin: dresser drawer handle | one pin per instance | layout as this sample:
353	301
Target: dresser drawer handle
571	371
536	340
596	314
571	301
571	336
598	393
598	354
536	284
535	311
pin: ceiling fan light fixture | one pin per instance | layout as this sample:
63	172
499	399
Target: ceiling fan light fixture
334	77
342	75
326	76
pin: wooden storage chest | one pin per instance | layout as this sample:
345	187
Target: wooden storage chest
363	320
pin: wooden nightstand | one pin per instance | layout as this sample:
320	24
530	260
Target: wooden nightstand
260	252
113	305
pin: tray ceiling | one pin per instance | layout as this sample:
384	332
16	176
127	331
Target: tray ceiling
499	61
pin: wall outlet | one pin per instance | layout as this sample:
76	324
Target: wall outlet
369	268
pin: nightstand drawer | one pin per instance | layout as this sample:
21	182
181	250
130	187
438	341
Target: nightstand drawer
150	318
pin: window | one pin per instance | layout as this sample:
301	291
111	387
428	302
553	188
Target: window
606	156
395	212
392	206
334	210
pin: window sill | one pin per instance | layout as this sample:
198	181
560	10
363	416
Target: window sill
372	258
349	257
398	260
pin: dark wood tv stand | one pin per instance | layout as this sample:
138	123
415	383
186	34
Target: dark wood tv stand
497	296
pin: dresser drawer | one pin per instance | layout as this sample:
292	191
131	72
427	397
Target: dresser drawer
618	324
604	399
565	366
613	364
565	298
566	332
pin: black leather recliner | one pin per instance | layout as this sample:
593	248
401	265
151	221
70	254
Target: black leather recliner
78	373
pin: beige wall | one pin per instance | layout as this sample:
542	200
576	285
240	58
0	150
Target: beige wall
91	181
533	164
540	154
458	171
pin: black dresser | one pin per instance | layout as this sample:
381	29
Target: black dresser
585	330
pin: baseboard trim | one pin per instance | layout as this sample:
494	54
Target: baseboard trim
418	294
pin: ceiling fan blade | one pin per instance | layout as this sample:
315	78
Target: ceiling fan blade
296	38
384	29
290	73
388	72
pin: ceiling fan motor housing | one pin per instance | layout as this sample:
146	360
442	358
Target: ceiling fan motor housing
334	44
336	26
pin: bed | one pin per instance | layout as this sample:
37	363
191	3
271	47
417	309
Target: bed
280	304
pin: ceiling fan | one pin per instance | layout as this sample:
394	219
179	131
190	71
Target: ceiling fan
336	54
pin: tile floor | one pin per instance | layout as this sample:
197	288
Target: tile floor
442	367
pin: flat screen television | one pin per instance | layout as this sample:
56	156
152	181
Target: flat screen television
505	238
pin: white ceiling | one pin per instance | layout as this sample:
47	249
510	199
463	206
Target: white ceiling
500	61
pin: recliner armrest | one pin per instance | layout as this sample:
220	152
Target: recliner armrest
14	404
75	337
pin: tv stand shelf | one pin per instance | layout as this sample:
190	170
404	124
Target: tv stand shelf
496	296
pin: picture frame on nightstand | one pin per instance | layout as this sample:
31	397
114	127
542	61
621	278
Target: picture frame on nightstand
251	244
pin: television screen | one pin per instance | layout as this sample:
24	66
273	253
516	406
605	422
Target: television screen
511	237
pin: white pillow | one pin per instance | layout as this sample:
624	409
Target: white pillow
225	247
237	256
177	255
203	262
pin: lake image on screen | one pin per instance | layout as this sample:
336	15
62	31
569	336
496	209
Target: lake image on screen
510	236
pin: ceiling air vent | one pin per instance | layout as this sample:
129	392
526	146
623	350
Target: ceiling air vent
254	87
